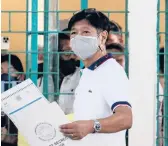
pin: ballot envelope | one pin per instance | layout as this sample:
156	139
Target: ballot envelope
36	119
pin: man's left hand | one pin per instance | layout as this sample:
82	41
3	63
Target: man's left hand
78	129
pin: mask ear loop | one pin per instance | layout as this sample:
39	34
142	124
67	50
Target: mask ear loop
99	45
99	48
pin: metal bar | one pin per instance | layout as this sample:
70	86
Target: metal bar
58	20
34	40
46	57
162	32
166	78
9	22
51	52
56	64
158	81
9	72
39	32
58	75
35	52
126	39
27	40
48	72
108	14
126	55
59	11
84	5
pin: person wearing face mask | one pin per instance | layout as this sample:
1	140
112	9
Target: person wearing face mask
161	62
102	111
11	69
41	77
9	76
69	74
68	62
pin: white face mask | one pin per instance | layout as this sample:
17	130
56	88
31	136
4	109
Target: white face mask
84	46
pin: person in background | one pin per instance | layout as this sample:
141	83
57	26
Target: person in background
41	77
40	60
13	67
115	33
161	61
68	62
162	67
69	73
117	48
10	76
63	41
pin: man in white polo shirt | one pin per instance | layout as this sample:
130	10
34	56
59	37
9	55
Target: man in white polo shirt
102	110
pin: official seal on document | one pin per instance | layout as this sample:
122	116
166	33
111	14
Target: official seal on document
45	131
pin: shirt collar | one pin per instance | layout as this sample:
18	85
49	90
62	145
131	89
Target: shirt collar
100	61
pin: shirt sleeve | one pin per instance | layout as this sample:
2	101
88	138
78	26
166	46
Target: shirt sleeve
116	88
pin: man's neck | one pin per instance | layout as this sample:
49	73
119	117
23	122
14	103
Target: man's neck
93	59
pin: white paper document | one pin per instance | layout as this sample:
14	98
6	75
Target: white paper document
36	119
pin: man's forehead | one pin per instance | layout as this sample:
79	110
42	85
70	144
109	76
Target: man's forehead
66	48
65	42
82	27
5	63
83	24
112	38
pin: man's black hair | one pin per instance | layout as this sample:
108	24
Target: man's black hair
116	46
95	18
63	36
161	60
15	61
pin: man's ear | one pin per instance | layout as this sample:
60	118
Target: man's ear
104	36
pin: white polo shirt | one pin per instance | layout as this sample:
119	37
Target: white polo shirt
102	88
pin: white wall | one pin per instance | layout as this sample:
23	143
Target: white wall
142	70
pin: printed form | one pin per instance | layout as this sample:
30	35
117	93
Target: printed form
36	119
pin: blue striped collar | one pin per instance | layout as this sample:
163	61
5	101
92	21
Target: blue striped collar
100	61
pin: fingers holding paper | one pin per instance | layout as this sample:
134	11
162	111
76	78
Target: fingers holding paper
77	130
